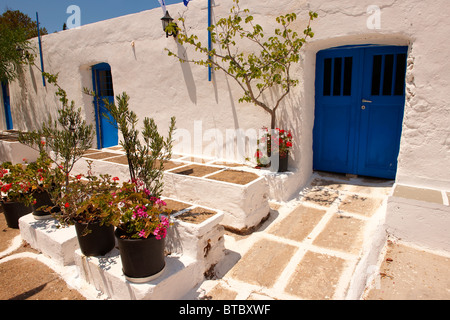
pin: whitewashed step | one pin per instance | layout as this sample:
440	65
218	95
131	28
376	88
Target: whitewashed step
181	274
48	238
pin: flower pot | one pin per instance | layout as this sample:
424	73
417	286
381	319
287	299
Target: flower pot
42	199
142	259
283	163
98	242
13	211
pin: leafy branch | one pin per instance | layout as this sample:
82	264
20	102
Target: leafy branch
267	66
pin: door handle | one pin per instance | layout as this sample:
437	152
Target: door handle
364	101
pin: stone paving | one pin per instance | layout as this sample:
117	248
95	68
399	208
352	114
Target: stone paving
312	247
308	249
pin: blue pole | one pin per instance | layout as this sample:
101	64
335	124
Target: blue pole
40	48
209	38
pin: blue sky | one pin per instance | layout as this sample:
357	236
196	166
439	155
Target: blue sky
53	13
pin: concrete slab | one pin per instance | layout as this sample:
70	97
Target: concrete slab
343	233
358	204
410	273
427	195
263	263
321	197
316	276
220	292
298	224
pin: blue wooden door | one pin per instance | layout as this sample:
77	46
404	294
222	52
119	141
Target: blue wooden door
359	109
7	106
107	132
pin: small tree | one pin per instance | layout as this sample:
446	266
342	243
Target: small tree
16	28
145	159
268	66
68	137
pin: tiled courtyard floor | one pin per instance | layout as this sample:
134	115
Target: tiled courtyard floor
310	247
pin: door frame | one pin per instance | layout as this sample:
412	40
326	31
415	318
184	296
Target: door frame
358	74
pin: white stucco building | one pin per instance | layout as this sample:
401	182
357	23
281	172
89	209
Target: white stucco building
395	57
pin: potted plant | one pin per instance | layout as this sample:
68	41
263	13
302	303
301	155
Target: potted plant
278	142
15	189
140	233
142	227
87	203
45	182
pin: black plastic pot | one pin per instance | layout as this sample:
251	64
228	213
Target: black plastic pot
98	242
142	259
13	211
283	164
43	199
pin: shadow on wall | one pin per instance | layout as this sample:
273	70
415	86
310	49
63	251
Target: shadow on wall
187	74
23	105
86	102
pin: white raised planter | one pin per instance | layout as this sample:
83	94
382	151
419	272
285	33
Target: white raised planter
203	241
45	236
15	152
244	205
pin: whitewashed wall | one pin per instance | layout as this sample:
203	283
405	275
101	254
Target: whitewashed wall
161	87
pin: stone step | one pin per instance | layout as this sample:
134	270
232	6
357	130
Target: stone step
48	238
180	275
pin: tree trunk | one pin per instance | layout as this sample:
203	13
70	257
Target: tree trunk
273	120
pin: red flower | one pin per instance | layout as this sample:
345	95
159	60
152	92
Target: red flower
115	179
288	144
78	176
67	205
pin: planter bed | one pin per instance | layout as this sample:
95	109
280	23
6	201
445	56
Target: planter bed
241	195
196	232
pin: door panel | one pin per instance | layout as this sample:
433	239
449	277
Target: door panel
7	106
359	109
107	132
336	83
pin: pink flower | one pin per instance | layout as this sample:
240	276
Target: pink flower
142	233
160	203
